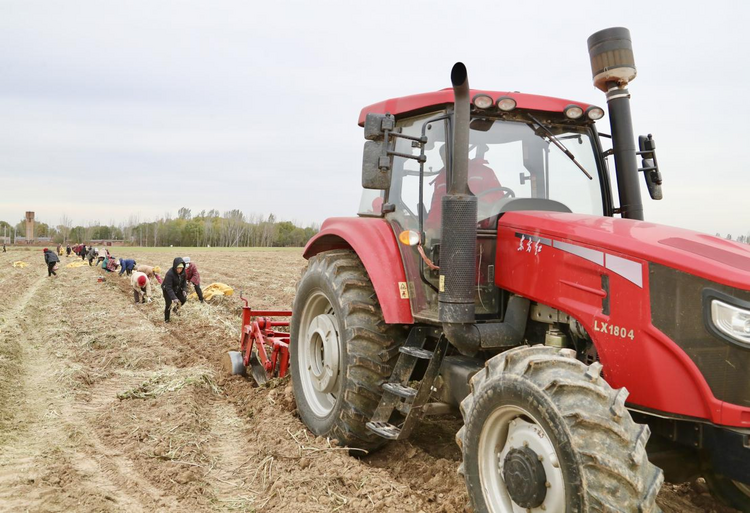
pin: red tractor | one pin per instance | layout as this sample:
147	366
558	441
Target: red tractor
490	270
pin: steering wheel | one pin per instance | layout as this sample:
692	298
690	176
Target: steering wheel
507	191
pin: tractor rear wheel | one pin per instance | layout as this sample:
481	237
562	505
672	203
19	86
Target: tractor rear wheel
341	349
544	432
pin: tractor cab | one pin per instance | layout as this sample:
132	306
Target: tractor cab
526	152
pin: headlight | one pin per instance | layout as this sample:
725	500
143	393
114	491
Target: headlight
731	320
594	113
573	111
506	103
482	101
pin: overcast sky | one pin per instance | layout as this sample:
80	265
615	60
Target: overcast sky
117	109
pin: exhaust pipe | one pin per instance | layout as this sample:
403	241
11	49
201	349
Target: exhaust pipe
458	264
613	67
459	230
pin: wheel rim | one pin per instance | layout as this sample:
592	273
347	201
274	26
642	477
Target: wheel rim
318	357
744	488
513	428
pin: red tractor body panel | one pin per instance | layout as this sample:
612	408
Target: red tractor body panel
559	259
430	101
376	245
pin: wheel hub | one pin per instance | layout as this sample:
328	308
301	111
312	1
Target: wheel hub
323	353
518	465
525	477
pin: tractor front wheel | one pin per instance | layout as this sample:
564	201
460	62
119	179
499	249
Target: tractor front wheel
341	349
544	432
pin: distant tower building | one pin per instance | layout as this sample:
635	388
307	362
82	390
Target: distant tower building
29	226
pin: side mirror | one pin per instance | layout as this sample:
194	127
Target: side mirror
649	166
376	163
376	126
376	166
377	157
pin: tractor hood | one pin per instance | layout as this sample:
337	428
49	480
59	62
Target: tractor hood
718	260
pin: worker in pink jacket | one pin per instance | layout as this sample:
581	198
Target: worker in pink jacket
193	276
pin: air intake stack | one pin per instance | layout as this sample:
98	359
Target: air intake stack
612	68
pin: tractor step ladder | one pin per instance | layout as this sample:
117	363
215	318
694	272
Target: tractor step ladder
398	395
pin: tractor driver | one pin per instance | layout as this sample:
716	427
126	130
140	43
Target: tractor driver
482	182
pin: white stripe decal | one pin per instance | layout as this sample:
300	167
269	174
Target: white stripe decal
631	271
591	255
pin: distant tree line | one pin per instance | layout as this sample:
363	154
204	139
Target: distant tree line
230	229
744	239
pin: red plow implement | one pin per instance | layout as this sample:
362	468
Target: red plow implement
263	347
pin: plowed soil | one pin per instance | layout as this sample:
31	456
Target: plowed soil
104	407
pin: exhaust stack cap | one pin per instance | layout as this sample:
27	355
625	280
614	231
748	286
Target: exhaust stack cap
611	53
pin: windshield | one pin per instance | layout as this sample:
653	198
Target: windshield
507	159
516	159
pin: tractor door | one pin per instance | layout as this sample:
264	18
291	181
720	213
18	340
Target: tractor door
417	190
413	194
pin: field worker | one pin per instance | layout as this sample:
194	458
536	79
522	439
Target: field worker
112	264
151	272
193	276
4	250
141	287
126	266
108	263
103	257
83	251
51	259
91	255
174	297
67	250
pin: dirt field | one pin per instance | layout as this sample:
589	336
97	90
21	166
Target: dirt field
103	407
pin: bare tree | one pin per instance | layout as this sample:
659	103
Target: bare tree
66	224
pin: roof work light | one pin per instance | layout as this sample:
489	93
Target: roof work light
482	101
506	103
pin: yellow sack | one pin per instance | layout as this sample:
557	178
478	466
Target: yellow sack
215	289
80	263
20	264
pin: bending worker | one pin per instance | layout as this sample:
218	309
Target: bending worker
152	272
126	266
91	254
141	287
193	276
51	260
174	296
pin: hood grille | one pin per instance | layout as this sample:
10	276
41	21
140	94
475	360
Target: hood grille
677	311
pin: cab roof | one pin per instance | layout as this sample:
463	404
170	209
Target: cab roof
432	101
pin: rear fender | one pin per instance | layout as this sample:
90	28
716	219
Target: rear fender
375	244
